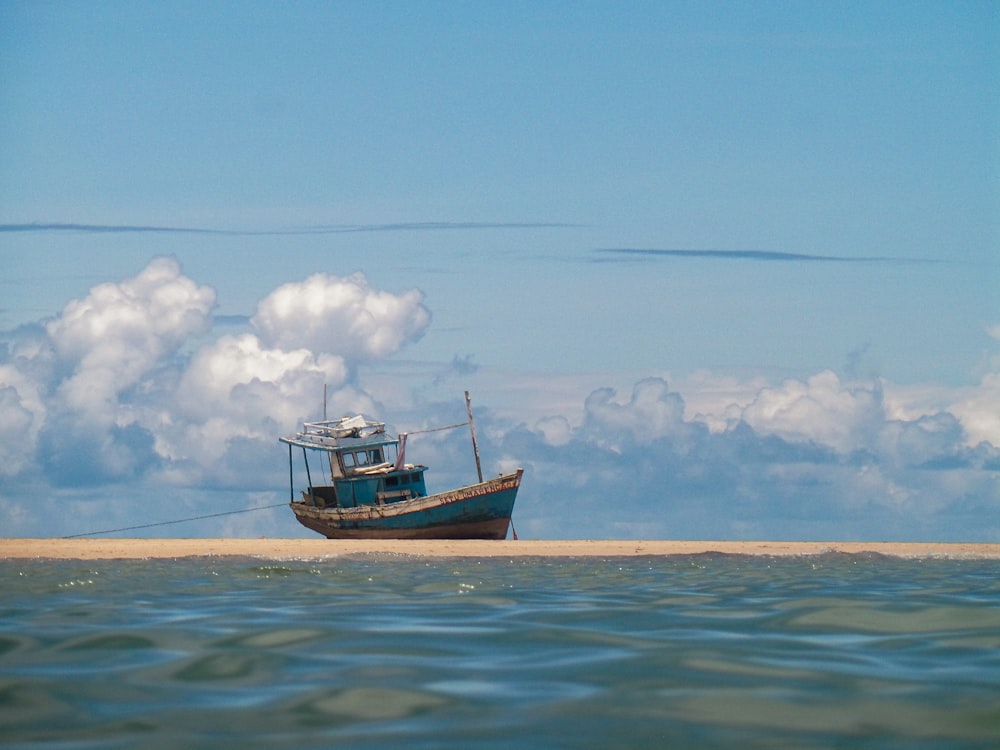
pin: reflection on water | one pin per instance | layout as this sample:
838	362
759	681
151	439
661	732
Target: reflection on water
377	651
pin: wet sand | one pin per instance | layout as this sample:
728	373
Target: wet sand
106	549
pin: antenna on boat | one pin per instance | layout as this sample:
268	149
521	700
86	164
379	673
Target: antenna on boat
324	402
472	428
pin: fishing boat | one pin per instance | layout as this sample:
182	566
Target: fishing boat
359	486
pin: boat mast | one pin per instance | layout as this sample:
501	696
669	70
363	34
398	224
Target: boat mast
472	428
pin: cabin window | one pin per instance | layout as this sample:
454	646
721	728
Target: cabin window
368	457
391	481
362	458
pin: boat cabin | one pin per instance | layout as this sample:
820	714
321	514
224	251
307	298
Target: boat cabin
351	462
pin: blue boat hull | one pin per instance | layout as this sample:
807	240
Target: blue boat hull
480	511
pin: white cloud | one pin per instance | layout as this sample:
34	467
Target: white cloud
106	389
222	376
814	458
718	401
234	388
22	413
110	391
556	430
311	334
120	331
652	412
341	315
979	410
821	410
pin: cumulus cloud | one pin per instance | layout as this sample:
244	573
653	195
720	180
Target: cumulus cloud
223	376
813	458
115	387
820	409
234	390
121	331
651	413
343	315
131	385
22	413
555	430
979	408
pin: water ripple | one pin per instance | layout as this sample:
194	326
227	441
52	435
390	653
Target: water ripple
378	651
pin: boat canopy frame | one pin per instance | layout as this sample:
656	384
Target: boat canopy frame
347	435
351	434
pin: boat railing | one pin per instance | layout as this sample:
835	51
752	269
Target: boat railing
344	427
320	441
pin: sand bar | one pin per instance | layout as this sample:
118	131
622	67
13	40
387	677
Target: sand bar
107	549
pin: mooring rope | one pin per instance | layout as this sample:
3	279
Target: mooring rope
230	512
438	429
180	520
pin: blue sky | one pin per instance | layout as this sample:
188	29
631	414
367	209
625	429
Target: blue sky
709	269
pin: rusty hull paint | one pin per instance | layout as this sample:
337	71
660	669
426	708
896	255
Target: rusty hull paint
464	513
495	530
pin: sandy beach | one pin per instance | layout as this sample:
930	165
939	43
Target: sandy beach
97	549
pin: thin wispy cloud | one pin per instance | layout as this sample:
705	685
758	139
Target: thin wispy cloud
754	255
414	226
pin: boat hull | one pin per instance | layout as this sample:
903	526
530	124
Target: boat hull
480	511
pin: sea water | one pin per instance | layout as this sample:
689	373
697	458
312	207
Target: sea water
388	651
